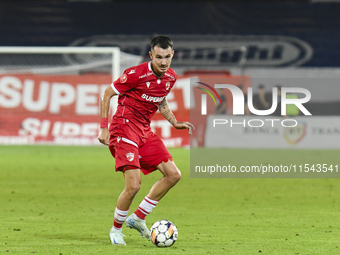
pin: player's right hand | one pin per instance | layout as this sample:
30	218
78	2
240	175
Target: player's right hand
104	136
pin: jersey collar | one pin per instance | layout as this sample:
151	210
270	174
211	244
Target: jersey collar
149	64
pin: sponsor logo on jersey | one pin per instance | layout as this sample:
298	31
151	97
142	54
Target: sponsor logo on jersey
152	99
148	84
132	71
167	85
172	77
145	75
118	139
130	156
123	78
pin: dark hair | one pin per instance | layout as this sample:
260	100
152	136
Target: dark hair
161	41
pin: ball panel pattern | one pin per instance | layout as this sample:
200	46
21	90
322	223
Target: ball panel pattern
163	233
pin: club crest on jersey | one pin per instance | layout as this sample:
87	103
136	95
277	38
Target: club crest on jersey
167	85
148	84
130	156
123	78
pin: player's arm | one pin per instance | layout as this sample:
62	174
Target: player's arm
104	135
164	109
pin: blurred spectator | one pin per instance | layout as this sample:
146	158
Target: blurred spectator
291	109
245	93
277	112
262	103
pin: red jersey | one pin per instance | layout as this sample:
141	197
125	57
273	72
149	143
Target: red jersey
140	93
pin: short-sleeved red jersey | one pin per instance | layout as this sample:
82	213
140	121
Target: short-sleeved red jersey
140	92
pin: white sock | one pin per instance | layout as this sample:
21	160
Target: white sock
119	219
145	207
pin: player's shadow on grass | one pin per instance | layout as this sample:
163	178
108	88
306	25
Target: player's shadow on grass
132	240
76	239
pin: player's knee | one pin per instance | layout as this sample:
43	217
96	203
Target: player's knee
175	177
133	189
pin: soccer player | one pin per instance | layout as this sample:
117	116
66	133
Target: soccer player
142	90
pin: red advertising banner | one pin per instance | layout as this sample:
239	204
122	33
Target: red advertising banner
50	109
64	109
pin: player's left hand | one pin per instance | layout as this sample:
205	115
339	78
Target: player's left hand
104	136
185	125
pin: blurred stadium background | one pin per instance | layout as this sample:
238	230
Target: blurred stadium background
60	199
53	98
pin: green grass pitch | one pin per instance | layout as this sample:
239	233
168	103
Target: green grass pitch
61	200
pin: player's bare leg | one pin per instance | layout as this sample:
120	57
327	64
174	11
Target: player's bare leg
132	185
125	199
171	175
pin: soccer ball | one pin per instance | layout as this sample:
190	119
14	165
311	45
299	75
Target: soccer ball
163	233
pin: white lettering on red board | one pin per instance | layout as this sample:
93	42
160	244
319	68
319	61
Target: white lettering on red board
36	127
51	96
